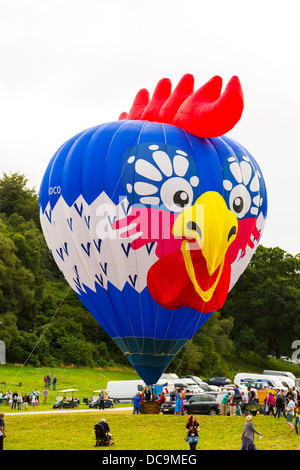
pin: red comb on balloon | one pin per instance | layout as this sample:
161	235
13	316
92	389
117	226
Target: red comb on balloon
204	113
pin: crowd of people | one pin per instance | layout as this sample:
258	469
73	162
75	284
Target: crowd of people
276	404
16	399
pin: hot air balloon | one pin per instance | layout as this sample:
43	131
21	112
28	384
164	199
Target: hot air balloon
152	218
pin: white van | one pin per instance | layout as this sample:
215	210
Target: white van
263	381
286	381
124	390
282	373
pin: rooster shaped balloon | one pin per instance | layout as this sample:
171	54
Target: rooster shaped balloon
153	218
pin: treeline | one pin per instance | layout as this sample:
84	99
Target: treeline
44	323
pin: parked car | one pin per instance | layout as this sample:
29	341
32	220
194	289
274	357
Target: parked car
218	381
197	404
202	385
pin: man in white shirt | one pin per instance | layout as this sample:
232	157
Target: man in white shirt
290	412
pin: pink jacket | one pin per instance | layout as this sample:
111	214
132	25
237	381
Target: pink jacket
271	400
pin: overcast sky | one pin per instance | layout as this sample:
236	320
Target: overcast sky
67	65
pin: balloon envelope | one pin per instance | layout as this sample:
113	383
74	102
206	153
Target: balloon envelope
109	200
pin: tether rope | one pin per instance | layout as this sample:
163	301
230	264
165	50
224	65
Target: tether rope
42	335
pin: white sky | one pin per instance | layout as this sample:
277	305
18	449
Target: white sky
66	65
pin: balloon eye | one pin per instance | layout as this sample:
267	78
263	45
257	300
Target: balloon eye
176	194
239	201
238	205
181	198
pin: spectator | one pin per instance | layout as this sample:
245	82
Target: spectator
101	400
224	404
270	403
33	399
26	401
105	425
243	403
192	428
279	405
265	407
173	395
179	403
297	416
7	397
290	412
161	400
2	430
237	399
136	403
45	395
231	404
54	382
14	400
49	380
141	402
248	435
19	401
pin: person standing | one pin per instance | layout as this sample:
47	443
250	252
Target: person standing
279	405
14	399
19	401
270	403
231	404
192	428
290	412
136	404
49	380
33	400
243	403
26	401
54	382
297	416
179	403
101	400
45	395
237	399
248	435
2	430
224	404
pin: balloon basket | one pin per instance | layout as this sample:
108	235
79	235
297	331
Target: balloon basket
150	408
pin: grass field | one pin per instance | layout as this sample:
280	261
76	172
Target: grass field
75	430
84	379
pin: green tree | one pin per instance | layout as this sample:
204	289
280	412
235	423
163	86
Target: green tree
16	198
265	303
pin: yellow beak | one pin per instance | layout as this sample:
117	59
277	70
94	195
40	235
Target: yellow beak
214	227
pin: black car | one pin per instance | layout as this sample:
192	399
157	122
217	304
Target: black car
197	404
218	381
